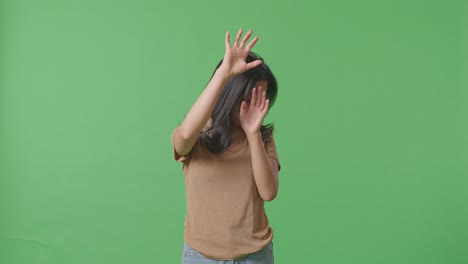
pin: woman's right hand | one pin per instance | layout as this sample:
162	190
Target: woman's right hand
235	55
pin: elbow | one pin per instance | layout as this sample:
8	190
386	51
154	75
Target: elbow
268	197
184	134
269	194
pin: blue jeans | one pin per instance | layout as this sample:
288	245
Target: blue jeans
264	256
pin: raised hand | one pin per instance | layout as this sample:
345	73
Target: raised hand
235	55
251	115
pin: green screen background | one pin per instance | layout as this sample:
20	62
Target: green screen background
371	125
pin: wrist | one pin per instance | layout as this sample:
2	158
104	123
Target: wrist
223	72
253	135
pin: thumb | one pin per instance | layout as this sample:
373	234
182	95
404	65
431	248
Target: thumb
253	64
243	107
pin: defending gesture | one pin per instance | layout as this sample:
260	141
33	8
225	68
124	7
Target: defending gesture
234	57
251	115
229	160
233	63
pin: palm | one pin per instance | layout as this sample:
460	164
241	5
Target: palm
234	57
251	115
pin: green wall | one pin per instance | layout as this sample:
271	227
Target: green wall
371	125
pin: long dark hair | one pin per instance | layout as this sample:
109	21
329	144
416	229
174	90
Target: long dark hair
239	87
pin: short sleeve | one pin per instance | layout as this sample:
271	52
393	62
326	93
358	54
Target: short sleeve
270	148
177	156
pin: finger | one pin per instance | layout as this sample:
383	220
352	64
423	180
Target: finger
251	44
228	41
243	107
253	101
253	64
246	37
263	100
259	96
267	105
236	42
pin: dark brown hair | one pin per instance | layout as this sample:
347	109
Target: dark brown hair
238	88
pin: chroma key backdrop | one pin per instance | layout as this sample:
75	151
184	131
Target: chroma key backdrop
371	127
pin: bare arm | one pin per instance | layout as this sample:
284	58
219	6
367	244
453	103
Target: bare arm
186	134
234	63
265	170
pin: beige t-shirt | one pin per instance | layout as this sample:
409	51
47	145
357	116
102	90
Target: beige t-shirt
225	217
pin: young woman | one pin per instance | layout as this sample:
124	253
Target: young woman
229	161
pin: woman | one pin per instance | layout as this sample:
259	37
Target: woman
229	161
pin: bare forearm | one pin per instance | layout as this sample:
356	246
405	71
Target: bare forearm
265	179
203	107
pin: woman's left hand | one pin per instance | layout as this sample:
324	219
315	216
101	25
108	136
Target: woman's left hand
251	115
